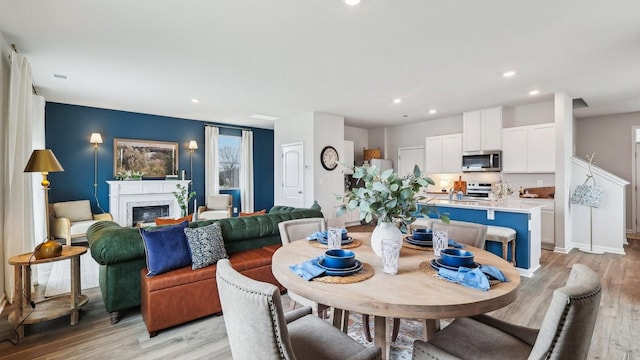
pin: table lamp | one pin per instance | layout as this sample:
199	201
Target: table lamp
44	161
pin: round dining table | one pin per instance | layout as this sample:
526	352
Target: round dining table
412	293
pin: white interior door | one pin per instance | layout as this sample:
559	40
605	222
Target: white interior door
292	175
409	157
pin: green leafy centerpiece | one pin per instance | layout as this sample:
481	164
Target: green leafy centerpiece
388	198
183	196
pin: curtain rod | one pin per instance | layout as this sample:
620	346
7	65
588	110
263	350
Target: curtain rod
230	127
33	88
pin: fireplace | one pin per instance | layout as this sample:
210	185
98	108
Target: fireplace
142	201
144	214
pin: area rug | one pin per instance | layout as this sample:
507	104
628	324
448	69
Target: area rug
60	278
402	348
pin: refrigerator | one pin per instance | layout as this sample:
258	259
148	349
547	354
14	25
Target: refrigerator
381	164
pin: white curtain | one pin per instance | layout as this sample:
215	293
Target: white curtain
211	160
18	142
246	172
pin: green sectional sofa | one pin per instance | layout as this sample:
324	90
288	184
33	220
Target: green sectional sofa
121	254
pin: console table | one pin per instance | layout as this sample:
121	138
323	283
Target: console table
49	308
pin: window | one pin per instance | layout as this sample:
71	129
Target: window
229	150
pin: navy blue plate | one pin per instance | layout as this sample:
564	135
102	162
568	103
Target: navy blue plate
346	241
340	272
437	264
412	241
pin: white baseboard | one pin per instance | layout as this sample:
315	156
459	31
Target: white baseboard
528	273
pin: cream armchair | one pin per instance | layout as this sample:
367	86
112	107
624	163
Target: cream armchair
218	207
71	219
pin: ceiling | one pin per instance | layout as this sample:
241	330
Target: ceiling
287	57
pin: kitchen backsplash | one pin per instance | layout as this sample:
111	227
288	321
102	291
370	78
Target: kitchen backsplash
515	180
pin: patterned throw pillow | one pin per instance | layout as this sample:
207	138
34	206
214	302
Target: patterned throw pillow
166	248
206	244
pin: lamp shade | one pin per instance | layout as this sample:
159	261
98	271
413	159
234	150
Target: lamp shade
193	145
96	138
43	161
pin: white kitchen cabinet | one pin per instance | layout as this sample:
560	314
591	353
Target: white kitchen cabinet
542	148
443	154
352	217
348	156
529	149
482	129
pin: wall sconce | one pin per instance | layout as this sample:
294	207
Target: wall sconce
96	139
44	161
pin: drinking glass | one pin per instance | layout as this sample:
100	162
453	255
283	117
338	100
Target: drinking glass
334	238
390	256
440	238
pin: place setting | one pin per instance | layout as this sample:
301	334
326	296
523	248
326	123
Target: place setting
459	266
335	266
422	239
320	239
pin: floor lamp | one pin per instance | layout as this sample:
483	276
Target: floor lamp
193	146
96	139
44	161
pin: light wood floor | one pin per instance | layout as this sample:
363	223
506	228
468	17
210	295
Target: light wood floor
616	335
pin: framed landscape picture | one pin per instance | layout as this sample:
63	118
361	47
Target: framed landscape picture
155	159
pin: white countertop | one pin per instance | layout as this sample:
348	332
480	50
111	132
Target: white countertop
512	205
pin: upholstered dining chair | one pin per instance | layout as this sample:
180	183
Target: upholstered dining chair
258	328
565	333
463	232
218	207
297	229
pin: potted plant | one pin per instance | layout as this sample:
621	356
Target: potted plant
183	196
389	198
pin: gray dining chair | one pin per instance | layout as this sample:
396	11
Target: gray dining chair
298	229
258	328
463	232
565	333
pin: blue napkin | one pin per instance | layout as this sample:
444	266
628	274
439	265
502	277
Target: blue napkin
455	244
308	269
319	235
473	278
493	272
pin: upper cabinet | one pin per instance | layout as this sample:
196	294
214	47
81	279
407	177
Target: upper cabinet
443	154
529	149
482	129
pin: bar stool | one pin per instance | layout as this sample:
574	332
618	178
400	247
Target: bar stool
503	235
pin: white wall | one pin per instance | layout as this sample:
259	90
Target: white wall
531	114
4	101
610	137
315	131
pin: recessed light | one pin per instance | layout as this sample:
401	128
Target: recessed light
60	76
433	111
264	117
195	101
352	2
534	92
397	101
508	73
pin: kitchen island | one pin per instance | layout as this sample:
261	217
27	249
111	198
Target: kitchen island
524	217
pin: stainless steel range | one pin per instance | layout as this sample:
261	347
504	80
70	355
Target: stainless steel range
478	189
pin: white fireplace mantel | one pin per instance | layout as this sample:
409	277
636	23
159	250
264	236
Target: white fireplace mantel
124	195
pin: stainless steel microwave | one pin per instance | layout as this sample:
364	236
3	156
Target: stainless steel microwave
486	160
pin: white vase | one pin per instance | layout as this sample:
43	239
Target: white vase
385	230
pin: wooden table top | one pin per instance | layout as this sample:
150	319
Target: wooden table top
410	294
67	253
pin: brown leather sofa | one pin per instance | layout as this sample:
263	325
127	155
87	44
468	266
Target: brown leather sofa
182	295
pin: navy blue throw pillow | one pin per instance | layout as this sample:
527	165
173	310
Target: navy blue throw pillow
166	248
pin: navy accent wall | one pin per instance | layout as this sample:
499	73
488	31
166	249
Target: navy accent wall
67	132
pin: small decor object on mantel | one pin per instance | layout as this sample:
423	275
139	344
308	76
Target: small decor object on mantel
183	196
129	175
390	199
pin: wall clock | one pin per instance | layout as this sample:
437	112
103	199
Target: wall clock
329	158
